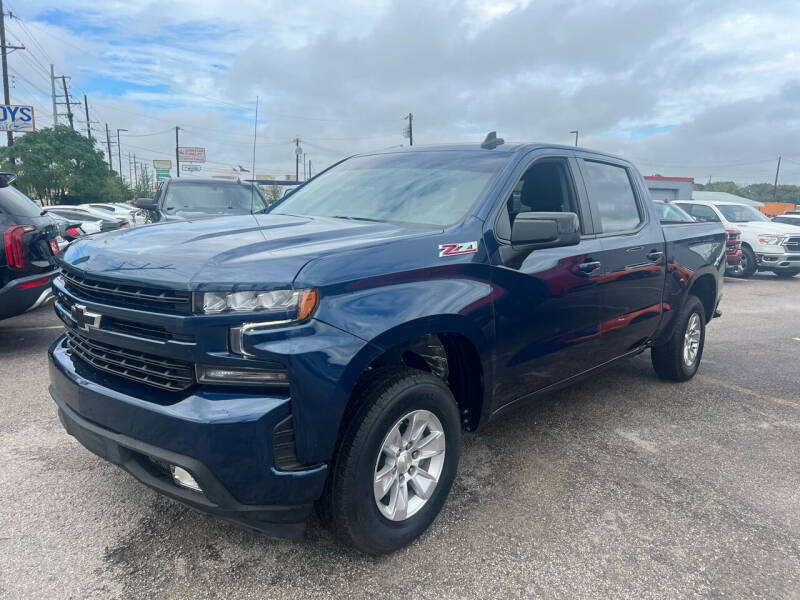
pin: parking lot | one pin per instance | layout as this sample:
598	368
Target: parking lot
622	486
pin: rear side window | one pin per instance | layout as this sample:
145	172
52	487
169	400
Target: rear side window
610	190
704	214
16	203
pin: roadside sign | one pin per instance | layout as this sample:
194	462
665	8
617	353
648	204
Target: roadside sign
189	167
191	154
162	164
162	174
17	118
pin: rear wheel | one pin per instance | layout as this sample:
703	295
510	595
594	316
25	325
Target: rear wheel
786	273
396	461
679	359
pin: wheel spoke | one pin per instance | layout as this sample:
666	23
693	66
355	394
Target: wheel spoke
431	445
384	480
421	489
393	443
399	503
423	474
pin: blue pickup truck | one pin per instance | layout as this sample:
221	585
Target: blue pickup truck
329	350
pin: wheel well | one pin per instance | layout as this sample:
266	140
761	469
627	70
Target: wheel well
450	356
705	288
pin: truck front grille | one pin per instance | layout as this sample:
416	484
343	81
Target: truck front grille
793	244
129	296
163	373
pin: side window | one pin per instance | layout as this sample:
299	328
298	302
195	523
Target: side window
610	190
704	214
545	187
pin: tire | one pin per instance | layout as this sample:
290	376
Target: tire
669	360
786	273
747	268
385	402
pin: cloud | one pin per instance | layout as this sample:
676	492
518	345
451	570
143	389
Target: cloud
680	85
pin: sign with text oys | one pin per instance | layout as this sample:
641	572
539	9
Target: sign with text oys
17	118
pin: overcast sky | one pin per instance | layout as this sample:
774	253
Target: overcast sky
702	89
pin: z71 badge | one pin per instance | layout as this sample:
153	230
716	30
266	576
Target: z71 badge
455	249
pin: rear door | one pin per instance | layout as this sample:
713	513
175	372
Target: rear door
632	255
546	300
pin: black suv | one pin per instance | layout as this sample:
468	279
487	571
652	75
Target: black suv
27	263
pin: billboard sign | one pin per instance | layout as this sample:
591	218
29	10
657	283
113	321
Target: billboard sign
191	154
17	118
162	174
162	164
189	167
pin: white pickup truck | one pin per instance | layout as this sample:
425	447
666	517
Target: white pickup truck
766	245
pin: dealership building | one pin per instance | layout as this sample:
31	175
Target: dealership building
669	188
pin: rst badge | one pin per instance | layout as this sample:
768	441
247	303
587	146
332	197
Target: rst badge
455	249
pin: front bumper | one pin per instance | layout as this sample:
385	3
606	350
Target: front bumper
223	440
783	260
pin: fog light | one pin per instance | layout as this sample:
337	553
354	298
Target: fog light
241	376
184	479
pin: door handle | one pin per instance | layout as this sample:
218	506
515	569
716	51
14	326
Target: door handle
654	255
588	266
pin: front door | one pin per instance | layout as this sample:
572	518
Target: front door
546	301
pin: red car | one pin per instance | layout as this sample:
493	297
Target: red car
733	247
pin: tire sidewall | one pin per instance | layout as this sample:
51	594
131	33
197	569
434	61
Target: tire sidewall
696	307
381	533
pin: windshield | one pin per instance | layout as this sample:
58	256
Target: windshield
212	197
16	203
669	213
427	188
740	213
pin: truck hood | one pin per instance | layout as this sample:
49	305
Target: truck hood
756	227
260	251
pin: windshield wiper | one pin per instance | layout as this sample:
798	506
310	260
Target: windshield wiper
357	218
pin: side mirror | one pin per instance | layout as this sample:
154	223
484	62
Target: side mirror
146	203
546	229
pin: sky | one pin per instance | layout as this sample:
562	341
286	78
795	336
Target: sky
705	89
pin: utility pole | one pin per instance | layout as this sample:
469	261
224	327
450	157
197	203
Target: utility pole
53	93
304	167
130	168
4	52
66	98
177	155
88	122
576	136
775	186
309	168
410	130
119	154
297	152
108	141
135	172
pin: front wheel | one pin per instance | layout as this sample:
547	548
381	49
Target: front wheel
679	358
396	461
747	265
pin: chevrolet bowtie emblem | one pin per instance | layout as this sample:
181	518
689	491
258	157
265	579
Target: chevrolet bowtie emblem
84	319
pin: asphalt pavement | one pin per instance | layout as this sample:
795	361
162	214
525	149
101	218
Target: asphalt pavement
622	486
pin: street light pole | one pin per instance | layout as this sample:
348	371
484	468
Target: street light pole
576	136
119	154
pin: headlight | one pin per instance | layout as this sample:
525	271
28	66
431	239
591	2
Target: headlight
299	304
770	239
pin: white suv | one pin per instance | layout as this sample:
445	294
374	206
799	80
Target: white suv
766	245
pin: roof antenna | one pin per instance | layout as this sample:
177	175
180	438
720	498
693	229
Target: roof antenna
491	141
253	183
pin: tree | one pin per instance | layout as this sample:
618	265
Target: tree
57	164
273	193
